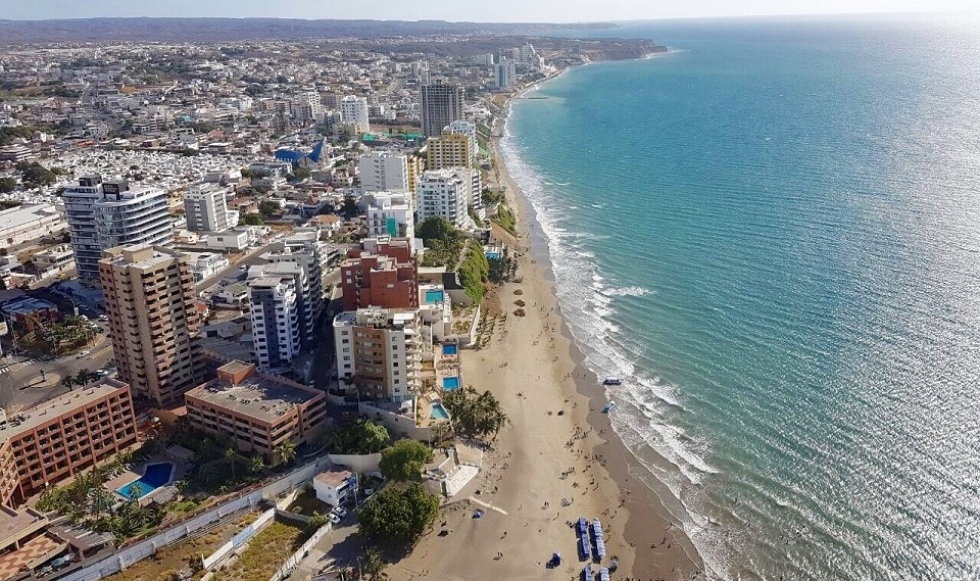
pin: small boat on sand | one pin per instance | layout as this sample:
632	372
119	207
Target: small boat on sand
612	381
609	405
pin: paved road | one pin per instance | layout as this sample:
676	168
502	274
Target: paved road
17	374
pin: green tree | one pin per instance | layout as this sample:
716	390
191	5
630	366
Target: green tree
437	228
349	208
473	414
286	451
360	436
371	563
405	460
256	464
7	185
232	456
399	514
267	208
252	220
302	173
36	175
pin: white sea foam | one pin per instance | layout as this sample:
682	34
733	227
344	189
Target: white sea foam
588	301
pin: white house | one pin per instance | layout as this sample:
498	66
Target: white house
335	486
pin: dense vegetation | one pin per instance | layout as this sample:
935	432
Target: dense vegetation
506	219
474	415
404	460
443	242
474	272
360	436
400	514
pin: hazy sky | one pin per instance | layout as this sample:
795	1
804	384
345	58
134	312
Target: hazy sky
472	10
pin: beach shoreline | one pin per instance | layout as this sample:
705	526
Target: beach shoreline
647	512
558	460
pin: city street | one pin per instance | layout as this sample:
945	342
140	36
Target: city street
17	374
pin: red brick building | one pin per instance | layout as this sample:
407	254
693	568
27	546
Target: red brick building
386	278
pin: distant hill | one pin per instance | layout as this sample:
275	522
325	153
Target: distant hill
82	30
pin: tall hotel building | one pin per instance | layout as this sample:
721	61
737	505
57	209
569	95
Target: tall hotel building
105	215
149	297
442	104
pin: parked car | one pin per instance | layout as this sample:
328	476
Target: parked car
340	512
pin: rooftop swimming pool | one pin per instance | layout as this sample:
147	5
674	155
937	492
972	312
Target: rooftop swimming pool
434	296
450	349
439	412
154	476
493	255
450	383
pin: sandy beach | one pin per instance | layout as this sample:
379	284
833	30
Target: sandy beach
557	461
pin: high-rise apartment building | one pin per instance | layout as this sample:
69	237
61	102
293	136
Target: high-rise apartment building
506	74
206	208
381	351
305	298
383	274
449	150
445	193
384	171
257	412
105	215
391	214
303	246
466	128
275	316
62	437
153	320
442	103
354	112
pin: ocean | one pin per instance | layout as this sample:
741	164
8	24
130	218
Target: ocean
772	234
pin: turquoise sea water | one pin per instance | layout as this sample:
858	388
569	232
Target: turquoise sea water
773	235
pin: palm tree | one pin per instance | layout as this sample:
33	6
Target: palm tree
68	381
256	464
231	455
99	500
208	472
286	451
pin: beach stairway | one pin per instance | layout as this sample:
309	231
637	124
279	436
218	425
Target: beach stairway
460	478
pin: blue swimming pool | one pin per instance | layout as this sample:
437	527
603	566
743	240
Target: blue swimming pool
450	383
439	412
493	255
434	296
154	476
450	349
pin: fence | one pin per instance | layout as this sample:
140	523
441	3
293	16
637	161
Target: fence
239	539
298	556
125	558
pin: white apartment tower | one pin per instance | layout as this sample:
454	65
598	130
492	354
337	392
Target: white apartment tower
444	193
384	171
354	112
110	214
206	208
442	104
275	319
391	214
